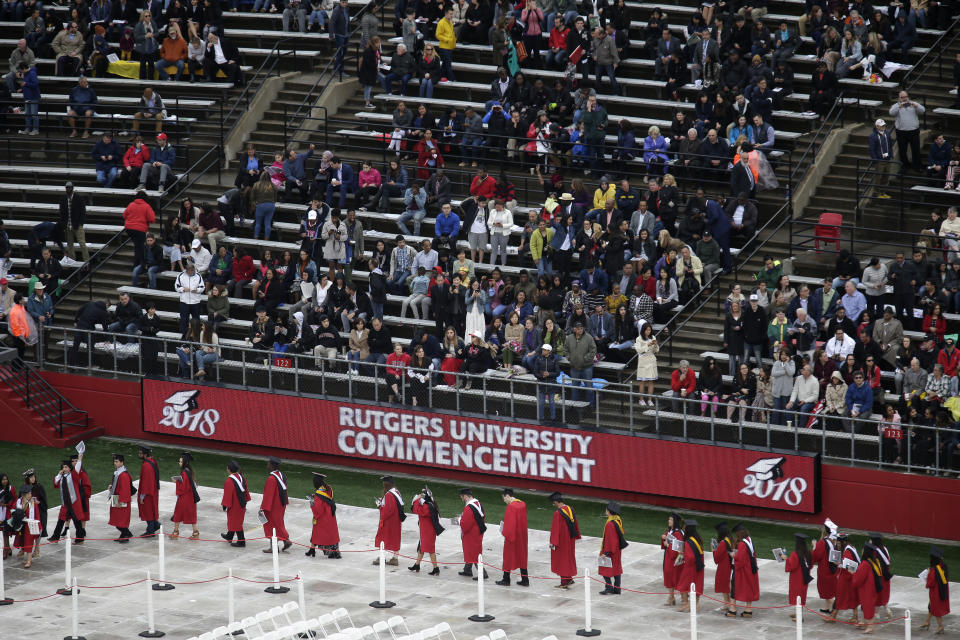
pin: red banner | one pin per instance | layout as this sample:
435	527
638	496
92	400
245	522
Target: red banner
568	456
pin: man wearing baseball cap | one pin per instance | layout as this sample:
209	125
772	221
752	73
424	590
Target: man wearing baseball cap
546	370
162	159
881	153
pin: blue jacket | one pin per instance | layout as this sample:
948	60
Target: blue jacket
939	155
31	85
599	280
296	169
601	326
447	226
862	395
39	309
166	155
102	149
815	307
717	221
431	347
81	98
881	143
560	234
227	273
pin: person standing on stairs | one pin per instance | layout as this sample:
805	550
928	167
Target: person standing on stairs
907	125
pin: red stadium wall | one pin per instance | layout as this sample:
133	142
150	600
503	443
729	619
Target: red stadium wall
864	499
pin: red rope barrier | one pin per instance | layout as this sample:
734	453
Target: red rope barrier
115	586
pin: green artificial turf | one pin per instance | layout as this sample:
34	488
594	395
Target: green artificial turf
361	488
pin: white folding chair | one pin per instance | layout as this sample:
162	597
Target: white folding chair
251	628
550	638
396	624
382	629
207	636
235	626
482	638
429	634
220	632
367	633
444	627
352	633
291	611
339	615
265	621
315	626
498	634
278	617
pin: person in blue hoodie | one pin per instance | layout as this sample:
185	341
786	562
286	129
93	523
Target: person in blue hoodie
859	401
106	153
83	102
30	85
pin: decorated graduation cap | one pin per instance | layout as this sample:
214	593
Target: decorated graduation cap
767	468
186	456
119	457
507	491
613	507
234	466
466	492
556	496
183	401
29	472
832	527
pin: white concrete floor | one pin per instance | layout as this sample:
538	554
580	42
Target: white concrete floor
524	613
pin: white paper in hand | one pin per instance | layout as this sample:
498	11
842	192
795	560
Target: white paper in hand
779	554
924	575
677	545
604	561
851	564
501	526
81	447
261	516
835	556
33	527
455	521
714	544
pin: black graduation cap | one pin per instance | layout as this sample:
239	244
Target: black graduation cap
556	496
386	479
871	547
234	466
183	400
613	508
738	527
801	536
274	461
842	535
186	456
74	456
119	457
508	491
875	537
936	552
721	526
65	463
691	523
26	489
146	450
466	492
322	476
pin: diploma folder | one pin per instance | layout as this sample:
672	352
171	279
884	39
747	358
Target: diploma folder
261	516
33	526
677	545
604	561
780	555
714	544
924	574
851	564
834	556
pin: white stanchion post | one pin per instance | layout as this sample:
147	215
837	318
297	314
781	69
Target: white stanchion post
481	615
906	625
231	614
75	610
301	599
151	631
693	611
161	583
799	614
383	603
67	560
3	592
588	630
275	548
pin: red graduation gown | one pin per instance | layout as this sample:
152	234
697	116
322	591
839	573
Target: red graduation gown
186	509
87	492
846	593
611	547
826	580
688	570
325	531
671	572
721	557
388	530
76	503
428	534
938	607
866	588
148	492
563	557
797	586
883	598
273	508
236	511
515	536
120	516
24	540
746	583
471	537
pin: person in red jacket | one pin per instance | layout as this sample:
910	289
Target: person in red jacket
391	520
482	184
472	528
236	495
242	274
745	586
826	570
692	565
428	513
868	581
137	218
514	532
187	498
325	533
846	592
273	505
798	565
611	548
671	549
723	558
133	161
148	490
683	382
949	357
557	56
564	533
938	588
120	495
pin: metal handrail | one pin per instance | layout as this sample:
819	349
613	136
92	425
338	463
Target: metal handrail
31	387
833	117
933	54
242	101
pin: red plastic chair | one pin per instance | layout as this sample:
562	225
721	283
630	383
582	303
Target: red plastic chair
828	229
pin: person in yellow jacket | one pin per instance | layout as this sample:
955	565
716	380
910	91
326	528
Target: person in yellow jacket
19	326
540	249
448	42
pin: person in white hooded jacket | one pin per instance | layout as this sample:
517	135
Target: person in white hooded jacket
500	222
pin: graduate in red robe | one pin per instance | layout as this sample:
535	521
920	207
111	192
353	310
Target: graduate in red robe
40	496
883	555
798	565
868	581
472	527
236	495
428	514
564	533
187	498
846	593
514	532
325	533
692	565
148	490
391	520
826	570
274	505
24	540
723	558
745	584
8	502
85	483
611	547
938	587
71	500
121	498
670	570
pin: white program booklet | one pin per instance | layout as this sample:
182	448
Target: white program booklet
677	545
851	564
261	516
780	554
81	447
33	527
924	575
604	561
834	556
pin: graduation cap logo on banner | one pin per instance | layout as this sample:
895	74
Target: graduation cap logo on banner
767	468
183	401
